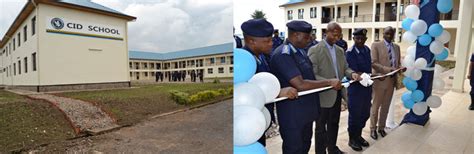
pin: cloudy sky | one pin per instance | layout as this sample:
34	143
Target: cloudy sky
244	8
161	25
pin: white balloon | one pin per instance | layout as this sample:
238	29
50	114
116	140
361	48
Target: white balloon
436	47
412	11
268	83
249	94
249	125
411	50
409	72
420	108
419	27
408	61
433	101
444	37
420	63
268	118
409	37
438	83
416	74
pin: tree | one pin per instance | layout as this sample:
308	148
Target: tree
258	14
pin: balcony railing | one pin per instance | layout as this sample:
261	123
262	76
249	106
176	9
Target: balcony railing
344	19
363	18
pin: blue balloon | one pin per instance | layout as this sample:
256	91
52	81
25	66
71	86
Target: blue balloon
417	95
410	84
407	100
255	148
444	6
244	65
424	40
443	55
406	23
435	30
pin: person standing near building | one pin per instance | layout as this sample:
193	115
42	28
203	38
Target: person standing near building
238	41
359	97
313	41
471	81
277	41
201	76
291	65
329	62
385	58
342	43
258	41
157	76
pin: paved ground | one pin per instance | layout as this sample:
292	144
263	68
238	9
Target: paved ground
202	130
274	144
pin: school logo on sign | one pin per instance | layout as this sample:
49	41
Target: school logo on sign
57	23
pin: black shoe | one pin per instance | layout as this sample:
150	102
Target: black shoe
363	142
382	133
471	107
354	144
373	134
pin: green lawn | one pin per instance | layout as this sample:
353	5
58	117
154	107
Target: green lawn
130	106
26	123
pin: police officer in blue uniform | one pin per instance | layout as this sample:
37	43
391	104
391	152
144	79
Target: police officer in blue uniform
471	81
291	65
341	43
313	41
277	41
258	41
238	41
359	97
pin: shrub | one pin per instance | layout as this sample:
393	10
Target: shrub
180	97
216	81
186	99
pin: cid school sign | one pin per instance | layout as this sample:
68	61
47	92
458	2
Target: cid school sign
81	28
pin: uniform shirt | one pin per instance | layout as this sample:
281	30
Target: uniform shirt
277	41
286	63
341	43
313	43
262	64
359	59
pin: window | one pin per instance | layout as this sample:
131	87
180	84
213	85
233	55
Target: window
33	25
300	13
7	51
7	71
376	35
24	33
350	11
338	12
19	67
349	37
222	60
146	74
231	59
33	60
312	12
399	35
212	60
136	66
152	65
221	70
290	14
14	68
356	11
131	74
10	47
130	65
145	65
209	71
231	69
13	45
19	39
25	60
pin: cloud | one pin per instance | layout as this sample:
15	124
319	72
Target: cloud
274	14
170	25
9	9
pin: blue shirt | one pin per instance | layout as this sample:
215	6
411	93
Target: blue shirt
341	43
277	41
262	64
332	52
238	41
286	63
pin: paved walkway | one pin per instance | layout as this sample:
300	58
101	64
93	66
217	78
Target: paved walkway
203	130
84	116
274	144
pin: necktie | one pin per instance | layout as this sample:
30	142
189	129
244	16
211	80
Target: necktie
390	55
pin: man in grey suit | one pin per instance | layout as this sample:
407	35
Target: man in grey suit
329	62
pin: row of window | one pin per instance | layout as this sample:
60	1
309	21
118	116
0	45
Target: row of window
18	66
325	12
220	70
17	40
180	64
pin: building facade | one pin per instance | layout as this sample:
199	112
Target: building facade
212	62
60	45
374	15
